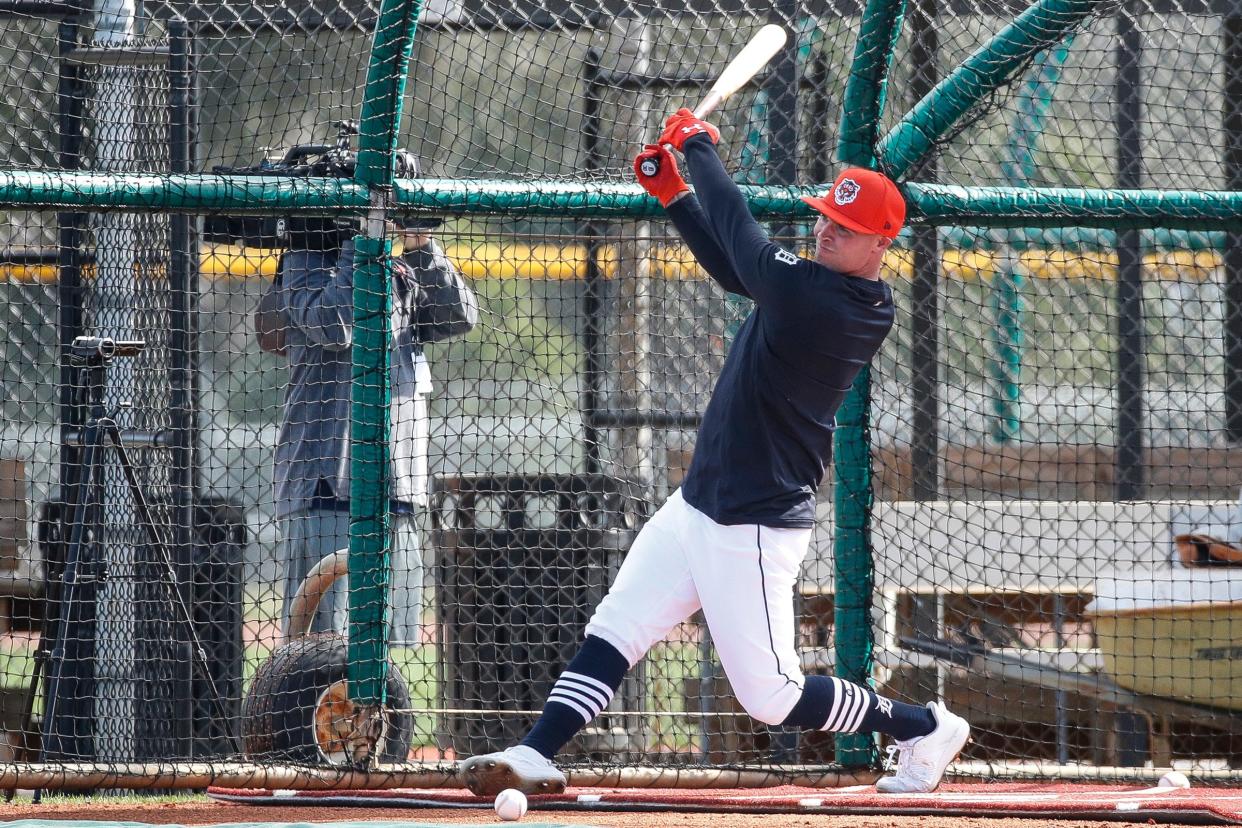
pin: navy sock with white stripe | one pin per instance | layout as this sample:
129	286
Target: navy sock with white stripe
829	703
580	693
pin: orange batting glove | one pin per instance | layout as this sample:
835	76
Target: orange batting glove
682	125
656	169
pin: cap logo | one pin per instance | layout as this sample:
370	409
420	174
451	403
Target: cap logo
846	191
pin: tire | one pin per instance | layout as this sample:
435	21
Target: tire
304	678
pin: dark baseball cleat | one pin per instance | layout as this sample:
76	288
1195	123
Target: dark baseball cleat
521	768
921	762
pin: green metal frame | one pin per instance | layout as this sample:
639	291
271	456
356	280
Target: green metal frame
1042	25
370	544
938	204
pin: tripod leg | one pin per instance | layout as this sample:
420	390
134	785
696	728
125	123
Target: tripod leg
68	611
199	660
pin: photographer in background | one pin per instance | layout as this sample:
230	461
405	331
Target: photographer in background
431	302
307	316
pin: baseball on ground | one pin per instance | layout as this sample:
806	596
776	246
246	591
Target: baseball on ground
511	804
1174	779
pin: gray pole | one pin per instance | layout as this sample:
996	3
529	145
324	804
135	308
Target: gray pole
629	52
114	301
924	290
1130	483
1232	125
65	735
782	168
183	353
925	328
592	304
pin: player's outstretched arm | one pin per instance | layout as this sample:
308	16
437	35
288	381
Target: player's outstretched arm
728	215
748	248
656	170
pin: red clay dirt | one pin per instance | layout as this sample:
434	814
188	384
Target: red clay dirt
205	813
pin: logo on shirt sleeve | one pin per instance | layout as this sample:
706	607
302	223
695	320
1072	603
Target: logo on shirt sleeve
785	257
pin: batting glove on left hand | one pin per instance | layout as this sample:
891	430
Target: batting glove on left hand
656	169
683	125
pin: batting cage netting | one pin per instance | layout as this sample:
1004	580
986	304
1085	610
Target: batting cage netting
343	360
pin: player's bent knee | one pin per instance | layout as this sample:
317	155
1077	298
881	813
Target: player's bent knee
771	702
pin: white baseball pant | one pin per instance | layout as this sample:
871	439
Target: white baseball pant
742	577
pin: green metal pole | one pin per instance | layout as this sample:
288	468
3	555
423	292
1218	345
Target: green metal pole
1042	25
852	498
1005	299
1037	207
1070	211
1018	168
867	86
178	192
369	539
855	567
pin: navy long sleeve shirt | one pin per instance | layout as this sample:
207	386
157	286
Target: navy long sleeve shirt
766	436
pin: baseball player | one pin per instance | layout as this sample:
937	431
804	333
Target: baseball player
731	540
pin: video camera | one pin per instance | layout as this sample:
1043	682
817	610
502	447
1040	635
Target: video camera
308	232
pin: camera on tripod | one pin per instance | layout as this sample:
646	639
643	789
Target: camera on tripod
94	351
308	232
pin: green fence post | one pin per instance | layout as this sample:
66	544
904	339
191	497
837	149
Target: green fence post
1018	168
855	569
867	86
852	497
1005	301
370	546
369	539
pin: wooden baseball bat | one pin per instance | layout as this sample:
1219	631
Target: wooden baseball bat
754	56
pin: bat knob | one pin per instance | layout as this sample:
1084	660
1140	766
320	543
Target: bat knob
650	167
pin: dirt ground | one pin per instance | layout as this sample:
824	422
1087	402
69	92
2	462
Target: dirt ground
205	813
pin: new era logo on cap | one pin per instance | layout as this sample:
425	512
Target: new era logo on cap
863	200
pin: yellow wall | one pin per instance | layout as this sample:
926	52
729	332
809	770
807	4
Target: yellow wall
490	260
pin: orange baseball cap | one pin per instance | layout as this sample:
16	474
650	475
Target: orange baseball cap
863	200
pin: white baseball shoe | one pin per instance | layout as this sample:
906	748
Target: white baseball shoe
520	767
921	762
